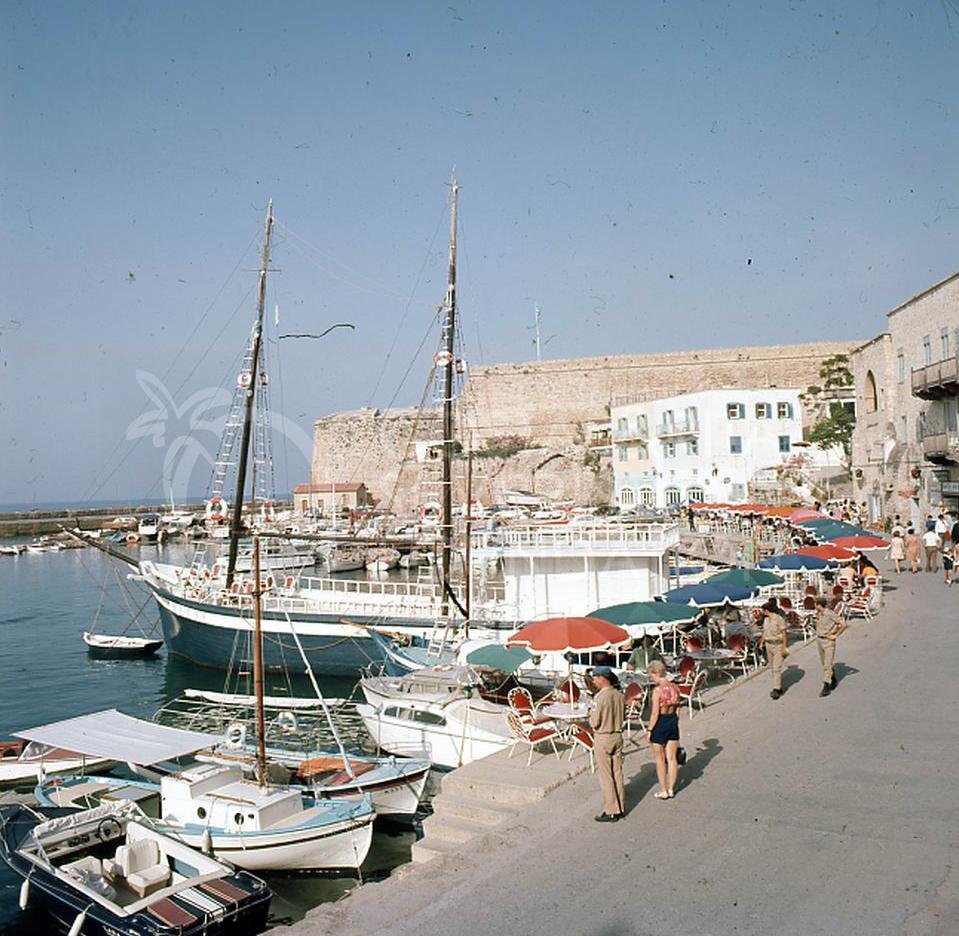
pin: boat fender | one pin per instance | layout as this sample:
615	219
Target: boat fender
236	736
24	893
78	922
206	842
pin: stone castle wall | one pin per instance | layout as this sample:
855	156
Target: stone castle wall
549	403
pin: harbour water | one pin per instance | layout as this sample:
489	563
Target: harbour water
46	602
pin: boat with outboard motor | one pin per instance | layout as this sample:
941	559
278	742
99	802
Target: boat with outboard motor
110	870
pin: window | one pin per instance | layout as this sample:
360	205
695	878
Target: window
927	349
764	411
669	421
735	445
622	452
921	426
641	423
901	366
870	394
627	497
692	418
622	424
647	496
737	492
669	450
694	495
943	343
784	444
735	410
784	410
904	429
642	452
673	497
692	447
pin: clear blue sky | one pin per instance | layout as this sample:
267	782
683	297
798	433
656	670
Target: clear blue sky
655	175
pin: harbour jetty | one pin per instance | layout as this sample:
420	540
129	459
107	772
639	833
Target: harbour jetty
792	816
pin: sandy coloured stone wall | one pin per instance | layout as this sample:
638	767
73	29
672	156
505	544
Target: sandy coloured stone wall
549	403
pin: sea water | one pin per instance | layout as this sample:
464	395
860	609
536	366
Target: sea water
47	601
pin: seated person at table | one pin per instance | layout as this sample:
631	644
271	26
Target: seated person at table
644	652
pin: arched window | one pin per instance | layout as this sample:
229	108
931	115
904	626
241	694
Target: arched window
694	495
647	497
627	497
673	497
871	396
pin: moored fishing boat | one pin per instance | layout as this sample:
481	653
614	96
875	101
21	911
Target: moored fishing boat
23	762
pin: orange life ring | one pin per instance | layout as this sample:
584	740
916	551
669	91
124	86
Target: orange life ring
443	358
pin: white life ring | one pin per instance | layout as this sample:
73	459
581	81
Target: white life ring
236	736
286	721
217	509
431	512
443	358
245	379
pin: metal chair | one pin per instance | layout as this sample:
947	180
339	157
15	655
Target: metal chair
531	735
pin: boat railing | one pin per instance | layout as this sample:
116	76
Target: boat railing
366	586
608	537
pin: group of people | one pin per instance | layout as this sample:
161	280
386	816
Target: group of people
606	719
939	540
608	713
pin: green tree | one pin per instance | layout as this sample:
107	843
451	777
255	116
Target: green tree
833	421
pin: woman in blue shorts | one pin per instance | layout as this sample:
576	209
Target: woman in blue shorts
663	731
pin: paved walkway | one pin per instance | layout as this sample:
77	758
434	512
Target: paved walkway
801	816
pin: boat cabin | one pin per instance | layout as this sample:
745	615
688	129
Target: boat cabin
218	796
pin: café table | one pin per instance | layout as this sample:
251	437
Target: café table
717	659
566	715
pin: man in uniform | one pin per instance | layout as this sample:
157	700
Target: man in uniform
606	718
773	639
829	626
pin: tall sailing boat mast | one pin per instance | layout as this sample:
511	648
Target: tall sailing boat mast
236	517
449	326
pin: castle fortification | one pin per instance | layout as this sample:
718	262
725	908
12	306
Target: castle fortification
551	405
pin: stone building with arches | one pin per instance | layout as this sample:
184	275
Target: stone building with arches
905	451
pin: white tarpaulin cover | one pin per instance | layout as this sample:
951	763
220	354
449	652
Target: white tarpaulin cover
115	736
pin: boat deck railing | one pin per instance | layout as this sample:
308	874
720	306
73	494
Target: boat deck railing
621	537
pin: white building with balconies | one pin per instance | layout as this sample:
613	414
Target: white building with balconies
703	446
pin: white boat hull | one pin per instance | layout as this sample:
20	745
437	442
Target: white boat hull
458	733
343	846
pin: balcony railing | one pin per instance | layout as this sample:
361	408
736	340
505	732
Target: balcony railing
632	434
935	381
941	446
678	427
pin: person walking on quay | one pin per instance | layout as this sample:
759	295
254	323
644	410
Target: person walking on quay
897	549
829	626
606	719
932	544
663	731
950	556
774	640
913	546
